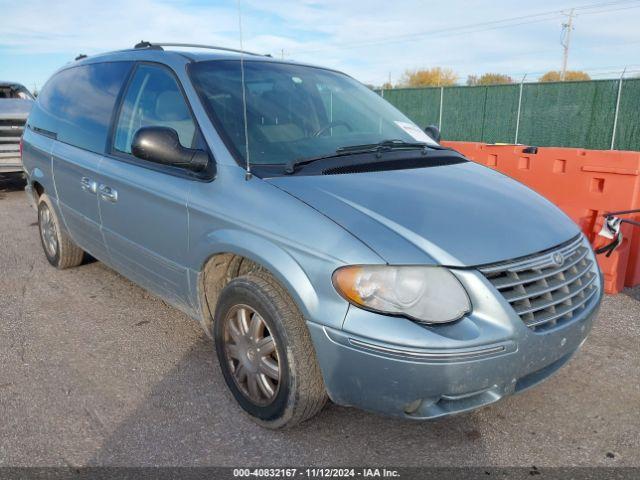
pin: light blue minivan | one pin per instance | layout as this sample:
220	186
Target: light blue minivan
328	245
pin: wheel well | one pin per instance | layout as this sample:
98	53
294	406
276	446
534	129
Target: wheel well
219	270
39	189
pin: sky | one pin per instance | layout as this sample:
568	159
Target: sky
372	40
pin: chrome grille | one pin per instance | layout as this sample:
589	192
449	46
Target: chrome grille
548	289
10	132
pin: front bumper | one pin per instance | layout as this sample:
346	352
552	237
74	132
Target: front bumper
396	367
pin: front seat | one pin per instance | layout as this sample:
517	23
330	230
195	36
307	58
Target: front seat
171	111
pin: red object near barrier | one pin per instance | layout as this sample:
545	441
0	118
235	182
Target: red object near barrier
585	184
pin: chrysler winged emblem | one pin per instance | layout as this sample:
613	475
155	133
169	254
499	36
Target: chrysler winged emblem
558	259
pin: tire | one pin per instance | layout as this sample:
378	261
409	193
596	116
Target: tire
298	393
58	247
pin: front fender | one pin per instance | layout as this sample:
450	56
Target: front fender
299	246
309	287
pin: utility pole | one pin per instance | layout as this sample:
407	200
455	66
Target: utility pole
566	41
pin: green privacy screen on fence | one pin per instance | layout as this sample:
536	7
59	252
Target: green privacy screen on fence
567	114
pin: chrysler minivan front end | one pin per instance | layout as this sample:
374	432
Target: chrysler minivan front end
522	321
487	288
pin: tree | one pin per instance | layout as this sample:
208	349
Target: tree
387	86
432	77
570	76
489	79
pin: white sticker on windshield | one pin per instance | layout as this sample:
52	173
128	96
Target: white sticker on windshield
414	131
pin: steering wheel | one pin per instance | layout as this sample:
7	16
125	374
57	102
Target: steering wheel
335	123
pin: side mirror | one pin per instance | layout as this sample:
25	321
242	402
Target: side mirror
162	145
433	132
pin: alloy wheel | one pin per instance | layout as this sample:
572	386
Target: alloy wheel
251	353
48	230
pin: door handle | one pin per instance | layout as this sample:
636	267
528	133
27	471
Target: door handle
108	194
88	185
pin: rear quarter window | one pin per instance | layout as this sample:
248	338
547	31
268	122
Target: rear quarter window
77	103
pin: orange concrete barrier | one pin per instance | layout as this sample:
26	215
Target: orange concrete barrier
585	184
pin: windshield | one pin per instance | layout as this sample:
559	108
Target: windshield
295	112
15	91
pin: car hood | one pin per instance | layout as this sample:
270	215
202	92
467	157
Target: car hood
455	215
15	108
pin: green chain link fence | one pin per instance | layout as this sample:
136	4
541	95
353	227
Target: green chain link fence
564	114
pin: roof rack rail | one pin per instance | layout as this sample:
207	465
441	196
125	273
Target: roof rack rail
159	45
80	57
144	44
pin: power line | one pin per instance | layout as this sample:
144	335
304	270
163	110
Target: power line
599	5
475	27
566	42
401	38
567	29
611	10
464	29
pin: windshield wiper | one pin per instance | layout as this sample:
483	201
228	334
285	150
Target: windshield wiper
383	146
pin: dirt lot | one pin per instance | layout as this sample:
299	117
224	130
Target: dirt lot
95	371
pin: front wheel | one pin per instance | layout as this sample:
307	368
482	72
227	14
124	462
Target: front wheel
265	352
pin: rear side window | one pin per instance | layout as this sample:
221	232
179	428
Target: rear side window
153	99
77	104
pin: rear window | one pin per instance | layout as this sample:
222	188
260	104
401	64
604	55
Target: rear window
77	103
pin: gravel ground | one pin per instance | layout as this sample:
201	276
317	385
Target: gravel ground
96	371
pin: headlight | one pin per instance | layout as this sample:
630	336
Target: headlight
426	294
